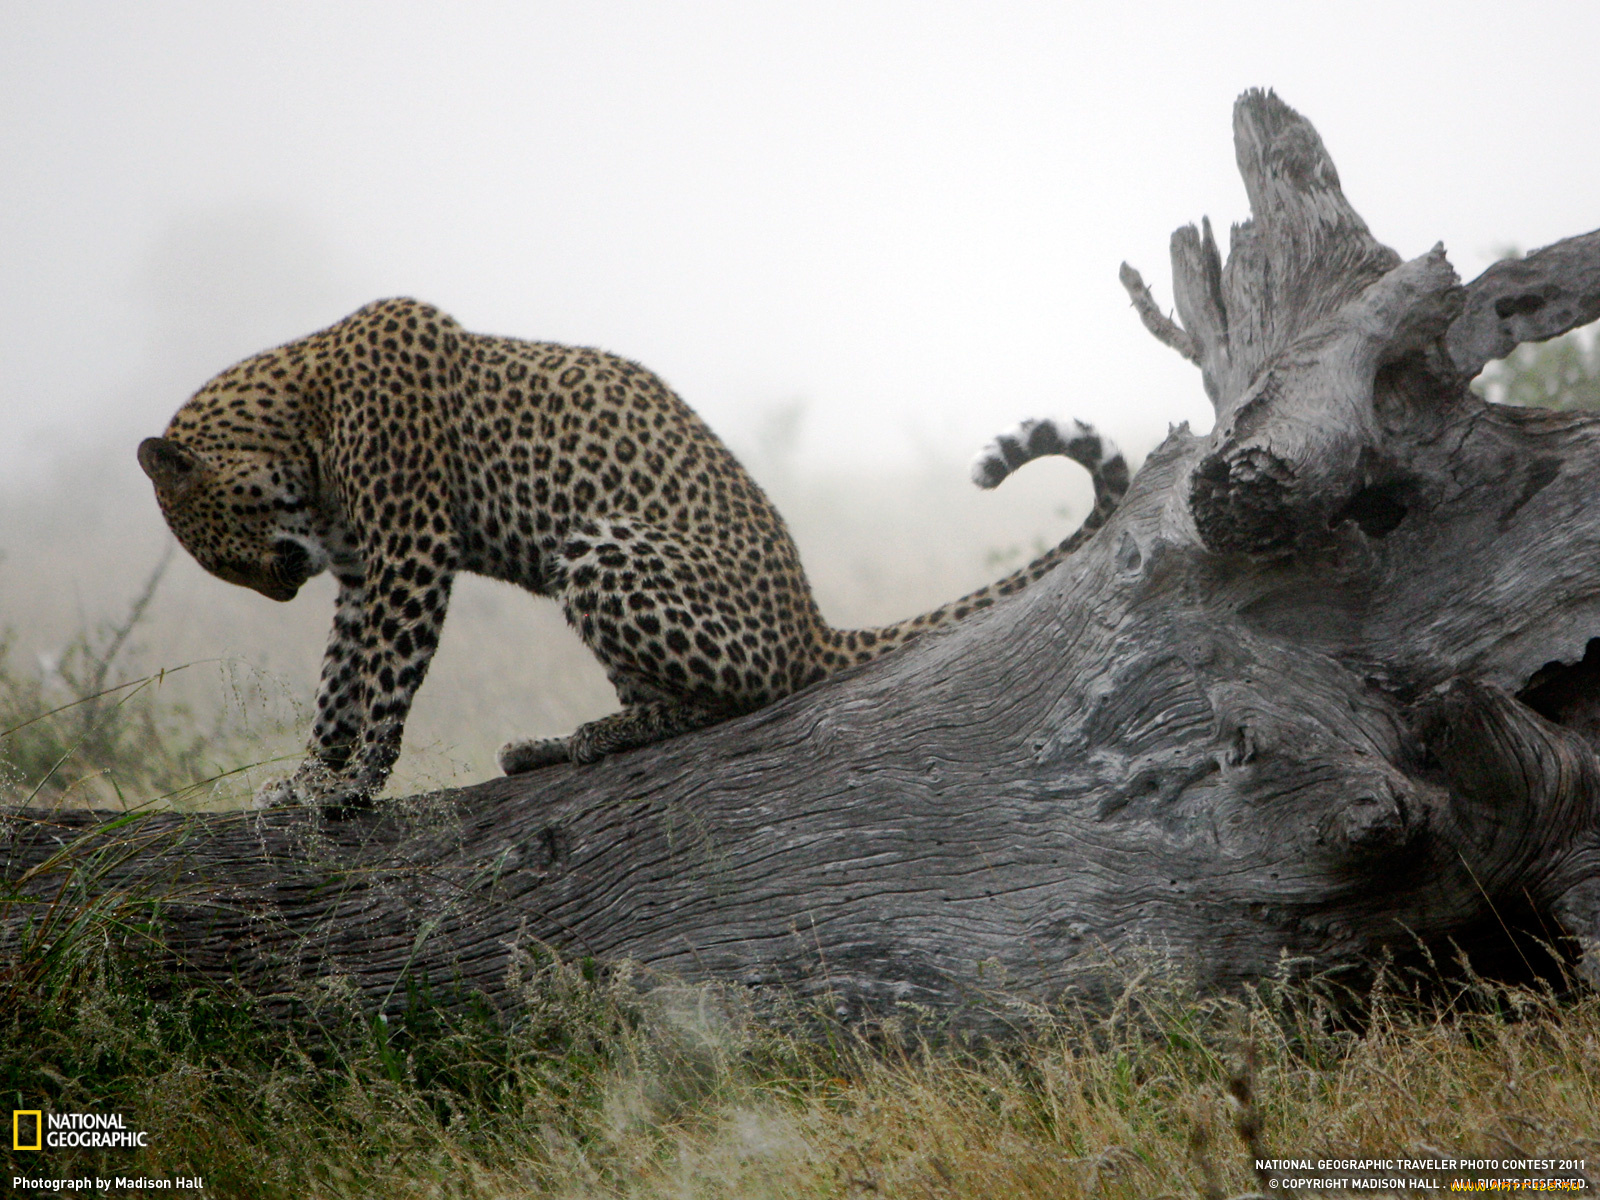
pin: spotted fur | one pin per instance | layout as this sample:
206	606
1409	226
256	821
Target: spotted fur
395	450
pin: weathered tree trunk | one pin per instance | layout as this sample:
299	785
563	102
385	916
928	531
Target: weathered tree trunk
1318	688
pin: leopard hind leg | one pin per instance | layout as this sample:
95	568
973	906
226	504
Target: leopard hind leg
639	725
637	594
529	754
636	725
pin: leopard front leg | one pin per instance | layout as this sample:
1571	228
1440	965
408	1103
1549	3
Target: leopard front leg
381	644
340	701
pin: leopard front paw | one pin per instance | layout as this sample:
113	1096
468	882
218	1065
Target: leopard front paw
529	754
316	783
278	793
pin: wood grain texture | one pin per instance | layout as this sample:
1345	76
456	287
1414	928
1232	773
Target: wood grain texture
1317	690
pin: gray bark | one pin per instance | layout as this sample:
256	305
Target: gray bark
1317	690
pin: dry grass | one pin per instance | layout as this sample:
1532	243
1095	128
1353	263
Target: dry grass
590	1089
1085	1107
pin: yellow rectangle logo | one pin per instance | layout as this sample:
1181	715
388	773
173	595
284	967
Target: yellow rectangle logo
16	1128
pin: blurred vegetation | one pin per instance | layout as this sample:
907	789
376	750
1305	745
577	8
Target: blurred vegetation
70	735
1563	373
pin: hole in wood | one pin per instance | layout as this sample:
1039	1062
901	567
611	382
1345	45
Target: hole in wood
1516	306
1377	510
1568	693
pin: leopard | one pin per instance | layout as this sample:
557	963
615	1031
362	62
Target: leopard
396	450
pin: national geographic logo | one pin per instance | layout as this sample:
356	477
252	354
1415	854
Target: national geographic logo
21	1137
35	1129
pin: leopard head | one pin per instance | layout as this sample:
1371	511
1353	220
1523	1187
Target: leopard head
247	516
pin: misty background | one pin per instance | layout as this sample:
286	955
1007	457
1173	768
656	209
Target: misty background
859	238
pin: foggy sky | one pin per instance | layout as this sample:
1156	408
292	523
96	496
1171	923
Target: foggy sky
908	216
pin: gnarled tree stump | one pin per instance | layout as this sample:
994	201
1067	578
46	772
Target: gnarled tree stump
1320	687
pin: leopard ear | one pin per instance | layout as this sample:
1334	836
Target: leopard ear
174	469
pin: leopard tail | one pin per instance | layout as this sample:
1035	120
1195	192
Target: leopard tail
1032	439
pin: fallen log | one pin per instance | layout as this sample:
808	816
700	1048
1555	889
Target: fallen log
1325	687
